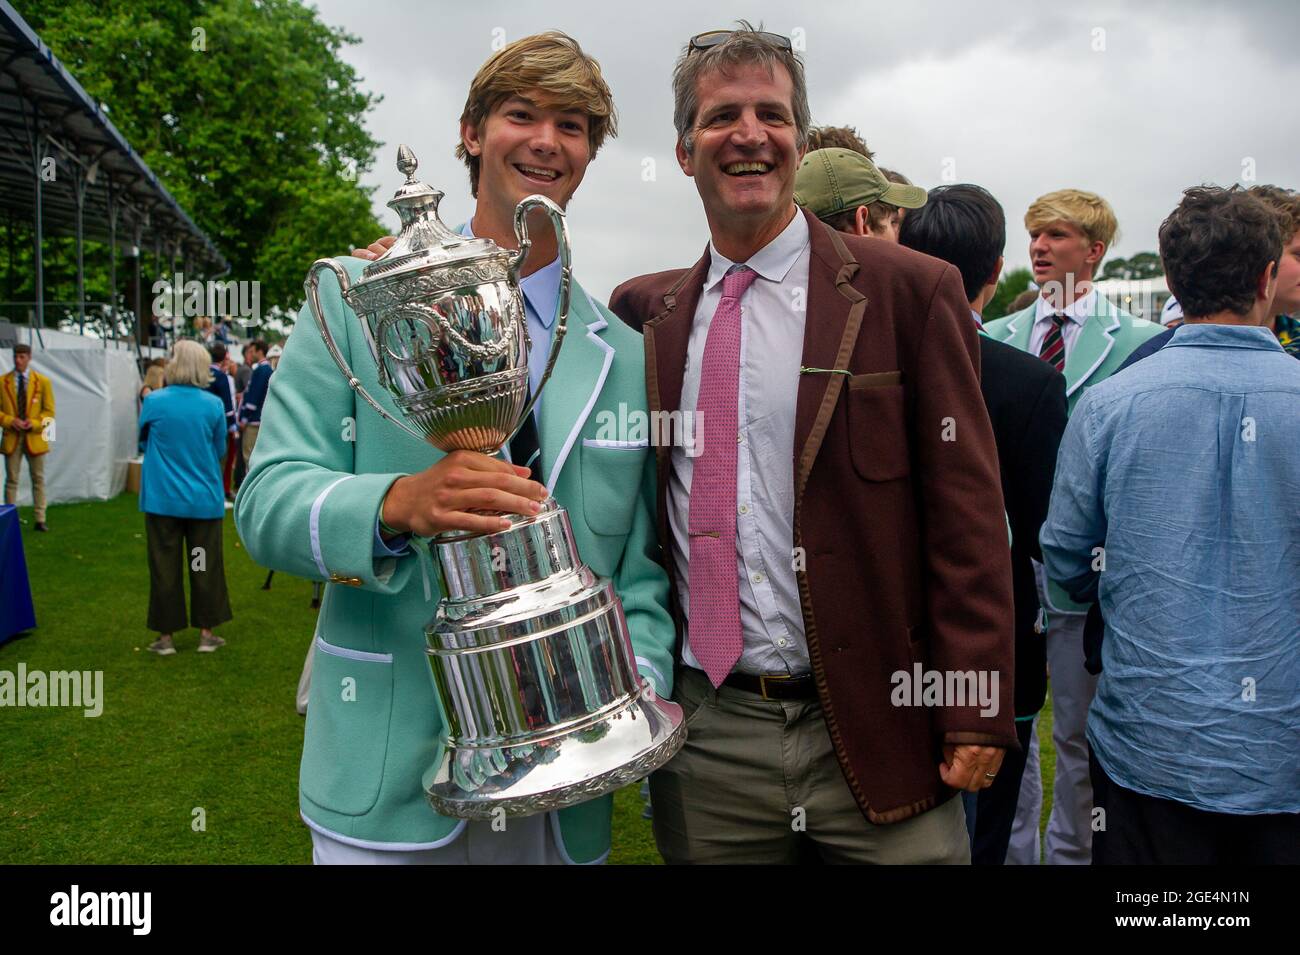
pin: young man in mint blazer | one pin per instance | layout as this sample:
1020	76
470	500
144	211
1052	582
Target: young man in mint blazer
1085	336
331	482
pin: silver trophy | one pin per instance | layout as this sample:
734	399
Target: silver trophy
540	696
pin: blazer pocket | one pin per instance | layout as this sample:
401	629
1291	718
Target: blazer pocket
611	484
348	717
878	439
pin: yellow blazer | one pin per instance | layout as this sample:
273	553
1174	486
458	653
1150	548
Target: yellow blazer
40	408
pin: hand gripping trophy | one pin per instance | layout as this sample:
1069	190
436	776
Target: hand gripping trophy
541	701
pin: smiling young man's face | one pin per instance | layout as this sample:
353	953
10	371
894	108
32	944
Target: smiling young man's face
745	154
524	149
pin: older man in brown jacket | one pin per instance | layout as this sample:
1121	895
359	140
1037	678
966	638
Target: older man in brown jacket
856	670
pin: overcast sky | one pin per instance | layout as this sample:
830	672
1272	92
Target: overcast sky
1134	102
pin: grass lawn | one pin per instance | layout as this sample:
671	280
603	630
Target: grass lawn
212	732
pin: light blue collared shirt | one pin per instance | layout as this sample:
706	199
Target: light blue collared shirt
1179	479
771	349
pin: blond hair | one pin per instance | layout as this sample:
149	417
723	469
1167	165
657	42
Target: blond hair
153	378
1086	211
556	74
188	365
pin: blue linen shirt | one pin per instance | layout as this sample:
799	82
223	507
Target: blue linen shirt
1176	502
183	437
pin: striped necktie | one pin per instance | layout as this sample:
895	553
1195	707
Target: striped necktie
1053	350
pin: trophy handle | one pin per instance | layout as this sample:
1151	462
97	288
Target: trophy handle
312	287
566	277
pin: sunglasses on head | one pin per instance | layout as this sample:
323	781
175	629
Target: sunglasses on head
704	41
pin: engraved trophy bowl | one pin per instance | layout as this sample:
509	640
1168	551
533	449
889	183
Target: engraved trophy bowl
530	652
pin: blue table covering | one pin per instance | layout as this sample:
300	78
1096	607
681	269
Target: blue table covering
16	611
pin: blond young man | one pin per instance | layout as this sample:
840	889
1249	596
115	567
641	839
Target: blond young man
321	507
1086	337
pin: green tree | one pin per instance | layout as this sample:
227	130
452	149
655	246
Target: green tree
246	113
1143	265
1010	285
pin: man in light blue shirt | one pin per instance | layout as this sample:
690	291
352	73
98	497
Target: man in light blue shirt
1194	726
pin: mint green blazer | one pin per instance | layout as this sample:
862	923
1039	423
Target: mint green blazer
1107	338
323	464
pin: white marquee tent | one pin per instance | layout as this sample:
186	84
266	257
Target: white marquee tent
95	411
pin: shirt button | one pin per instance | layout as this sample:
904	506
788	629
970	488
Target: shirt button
758	578
743	509
740	438
780	641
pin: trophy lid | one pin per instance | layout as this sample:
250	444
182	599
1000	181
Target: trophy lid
424	241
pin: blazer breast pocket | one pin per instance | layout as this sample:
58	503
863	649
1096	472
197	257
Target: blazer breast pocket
877	421
611	483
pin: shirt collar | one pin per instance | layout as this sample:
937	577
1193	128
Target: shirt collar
979	320
773	261
1255	337
1078	311
541	288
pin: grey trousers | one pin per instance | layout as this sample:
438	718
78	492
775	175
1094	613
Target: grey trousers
758	783
1025	847
1068	839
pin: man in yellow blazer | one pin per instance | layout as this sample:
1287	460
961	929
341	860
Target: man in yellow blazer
27	417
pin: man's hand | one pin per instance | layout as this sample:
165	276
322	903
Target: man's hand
375	249
22	424
441	498
964	766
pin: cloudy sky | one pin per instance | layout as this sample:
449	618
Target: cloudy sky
1134	102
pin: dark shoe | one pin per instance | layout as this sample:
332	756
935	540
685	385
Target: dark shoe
40	526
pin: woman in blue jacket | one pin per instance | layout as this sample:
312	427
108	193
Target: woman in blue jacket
183	437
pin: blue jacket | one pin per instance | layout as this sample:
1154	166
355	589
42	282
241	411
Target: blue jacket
183	437
250	412
223	388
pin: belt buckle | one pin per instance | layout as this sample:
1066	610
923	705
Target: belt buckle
762	684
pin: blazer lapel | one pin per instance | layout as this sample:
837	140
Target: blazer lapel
1092	346
834	317
571	393
667	334
1020	327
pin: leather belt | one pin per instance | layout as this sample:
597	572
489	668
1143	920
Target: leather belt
774	687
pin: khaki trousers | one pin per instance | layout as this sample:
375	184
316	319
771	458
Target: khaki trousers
36	467
248	442
758	783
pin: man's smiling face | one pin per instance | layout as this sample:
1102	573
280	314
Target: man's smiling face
524	149
745	153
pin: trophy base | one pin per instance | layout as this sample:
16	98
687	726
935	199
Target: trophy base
635	737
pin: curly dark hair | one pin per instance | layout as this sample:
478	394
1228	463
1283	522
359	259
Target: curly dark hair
1214	246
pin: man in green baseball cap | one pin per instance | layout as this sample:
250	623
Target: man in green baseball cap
846	191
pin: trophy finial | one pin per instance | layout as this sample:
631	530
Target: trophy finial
406	162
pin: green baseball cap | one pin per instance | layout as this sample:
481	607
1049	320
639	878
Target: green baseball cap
836	180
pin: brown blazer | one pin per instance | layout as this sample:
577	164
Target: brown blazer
898	504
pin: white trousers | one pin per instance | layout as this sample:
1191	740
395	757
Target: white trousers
526	841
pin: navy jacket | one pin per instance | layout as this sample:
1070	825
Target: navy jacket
250	412
220	385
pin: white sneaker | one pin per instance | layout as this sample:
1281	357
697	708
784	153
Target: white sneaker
163	646
209	644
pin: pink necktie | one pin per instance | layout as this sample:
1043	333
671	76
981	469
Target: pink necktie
714	625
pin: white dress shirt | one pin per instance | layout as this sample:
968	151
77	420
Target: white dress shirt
771	350
1078	312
